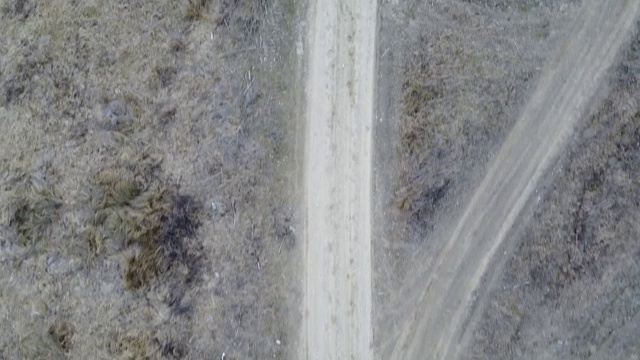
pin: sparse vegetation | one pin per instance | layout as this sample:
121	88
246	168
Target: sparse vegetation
196	9
117	126
33	204
566	293
575	268
455	93
62	334
134	208
33	213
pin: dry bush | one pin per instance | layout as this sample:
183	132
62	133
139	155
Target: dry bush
34	212
62	333
151	217
33	203
195	9
20	9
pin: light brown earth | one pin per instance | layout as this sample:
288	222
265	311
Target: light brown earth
340	88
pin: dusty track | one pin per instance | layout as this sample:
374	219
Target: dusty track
340	85
563	93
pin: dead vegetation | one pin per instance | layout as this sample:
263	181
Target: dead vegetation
33	203
132	208
576	267
195	9
18	8
62	334
34	211
132	347
41	346
461	71
240	16
140	121
524	6
135	208
456	96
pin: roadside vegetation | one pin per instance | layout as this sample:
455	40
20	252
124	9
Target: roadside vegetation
463	81
459	75
571	289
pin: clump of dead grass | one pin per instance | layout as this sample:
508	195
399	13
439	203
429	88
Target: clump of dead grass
131	211
135	208
33	206
131	346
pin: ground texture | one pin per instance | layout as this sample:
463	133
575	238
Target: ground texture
338	168
255	179
447	144
145	163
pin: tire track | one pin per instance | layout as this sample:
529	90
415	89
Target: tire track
562	96
338	150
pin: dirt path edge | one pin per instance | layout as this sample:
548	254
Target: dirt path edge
562	96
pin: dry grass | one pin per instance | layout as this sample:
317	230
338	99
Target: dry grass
574	273
440	84
459	83
460	75
34	212
195	9
62	334
105	91
132	347
137	209
33	205
40	346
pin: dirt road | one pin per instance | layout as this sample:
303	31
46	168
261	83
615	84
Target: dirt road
339	110
562	96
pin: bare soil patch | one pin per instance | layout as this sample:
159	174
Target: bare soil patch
337	167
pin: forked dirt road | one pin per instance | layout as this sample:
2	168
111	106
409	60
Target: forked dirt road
564	91
337	166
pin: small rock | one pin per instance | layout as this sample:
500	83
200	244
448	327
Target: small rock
117	115
58	265
589	134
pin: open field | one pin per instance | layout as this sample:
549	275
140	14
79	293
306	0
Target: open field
565	89
287	179
459	82
145	169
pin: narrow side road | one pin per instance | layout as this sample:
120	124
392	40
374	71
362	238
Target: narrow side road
337	166
564	91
